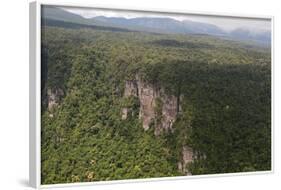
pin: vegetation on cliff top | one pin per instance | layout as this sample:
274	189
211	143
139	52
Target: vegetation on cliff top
226	105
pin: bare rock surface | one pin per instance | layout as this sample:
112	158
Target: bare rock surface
187	157
158	108
54	97
148	94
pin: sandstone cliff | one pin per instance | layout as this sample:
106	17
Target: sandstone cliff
156	107
54	97
186	158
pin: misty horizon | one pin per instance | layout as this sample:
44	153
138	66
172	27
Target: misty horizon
228	24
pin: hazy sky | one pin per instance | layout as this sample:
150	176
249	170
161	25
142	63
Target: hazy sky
226	23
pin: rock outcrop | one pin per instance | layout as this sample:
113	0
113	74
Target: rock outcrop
169	112
147	95
131	89
186	158
156	106
124	113
54	97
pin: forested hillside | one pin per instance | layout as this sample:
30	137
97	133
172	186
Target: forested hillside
210	102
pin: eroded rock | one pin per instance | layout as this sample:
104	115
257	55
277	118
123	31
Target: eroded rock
148	94
54	96
124	113
187	157
157	108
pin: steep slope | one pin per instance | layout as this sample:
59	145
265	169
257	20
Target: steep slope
157	108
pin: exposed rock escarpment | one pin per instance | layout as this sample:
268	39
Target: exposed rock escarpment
186	158
124	113
156	107
147	96
131	88
54	97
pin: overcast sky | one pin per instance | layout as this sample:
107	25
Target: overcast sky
226	23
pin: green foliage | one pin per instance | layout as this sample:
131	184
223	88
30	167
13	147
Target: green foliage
224	90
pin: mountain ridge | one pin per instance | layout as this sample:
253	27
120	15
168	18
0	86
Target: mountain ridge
162	25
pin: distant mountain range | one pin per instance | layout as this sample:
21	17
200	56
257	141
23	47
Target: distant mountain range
155	25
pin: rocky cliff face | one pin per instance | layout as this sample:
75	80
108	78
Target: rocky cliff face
147	96
169	111
53	97
186	158
131	89
156	107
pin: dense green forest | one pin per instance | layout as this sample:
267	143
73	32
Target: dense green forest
224	89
